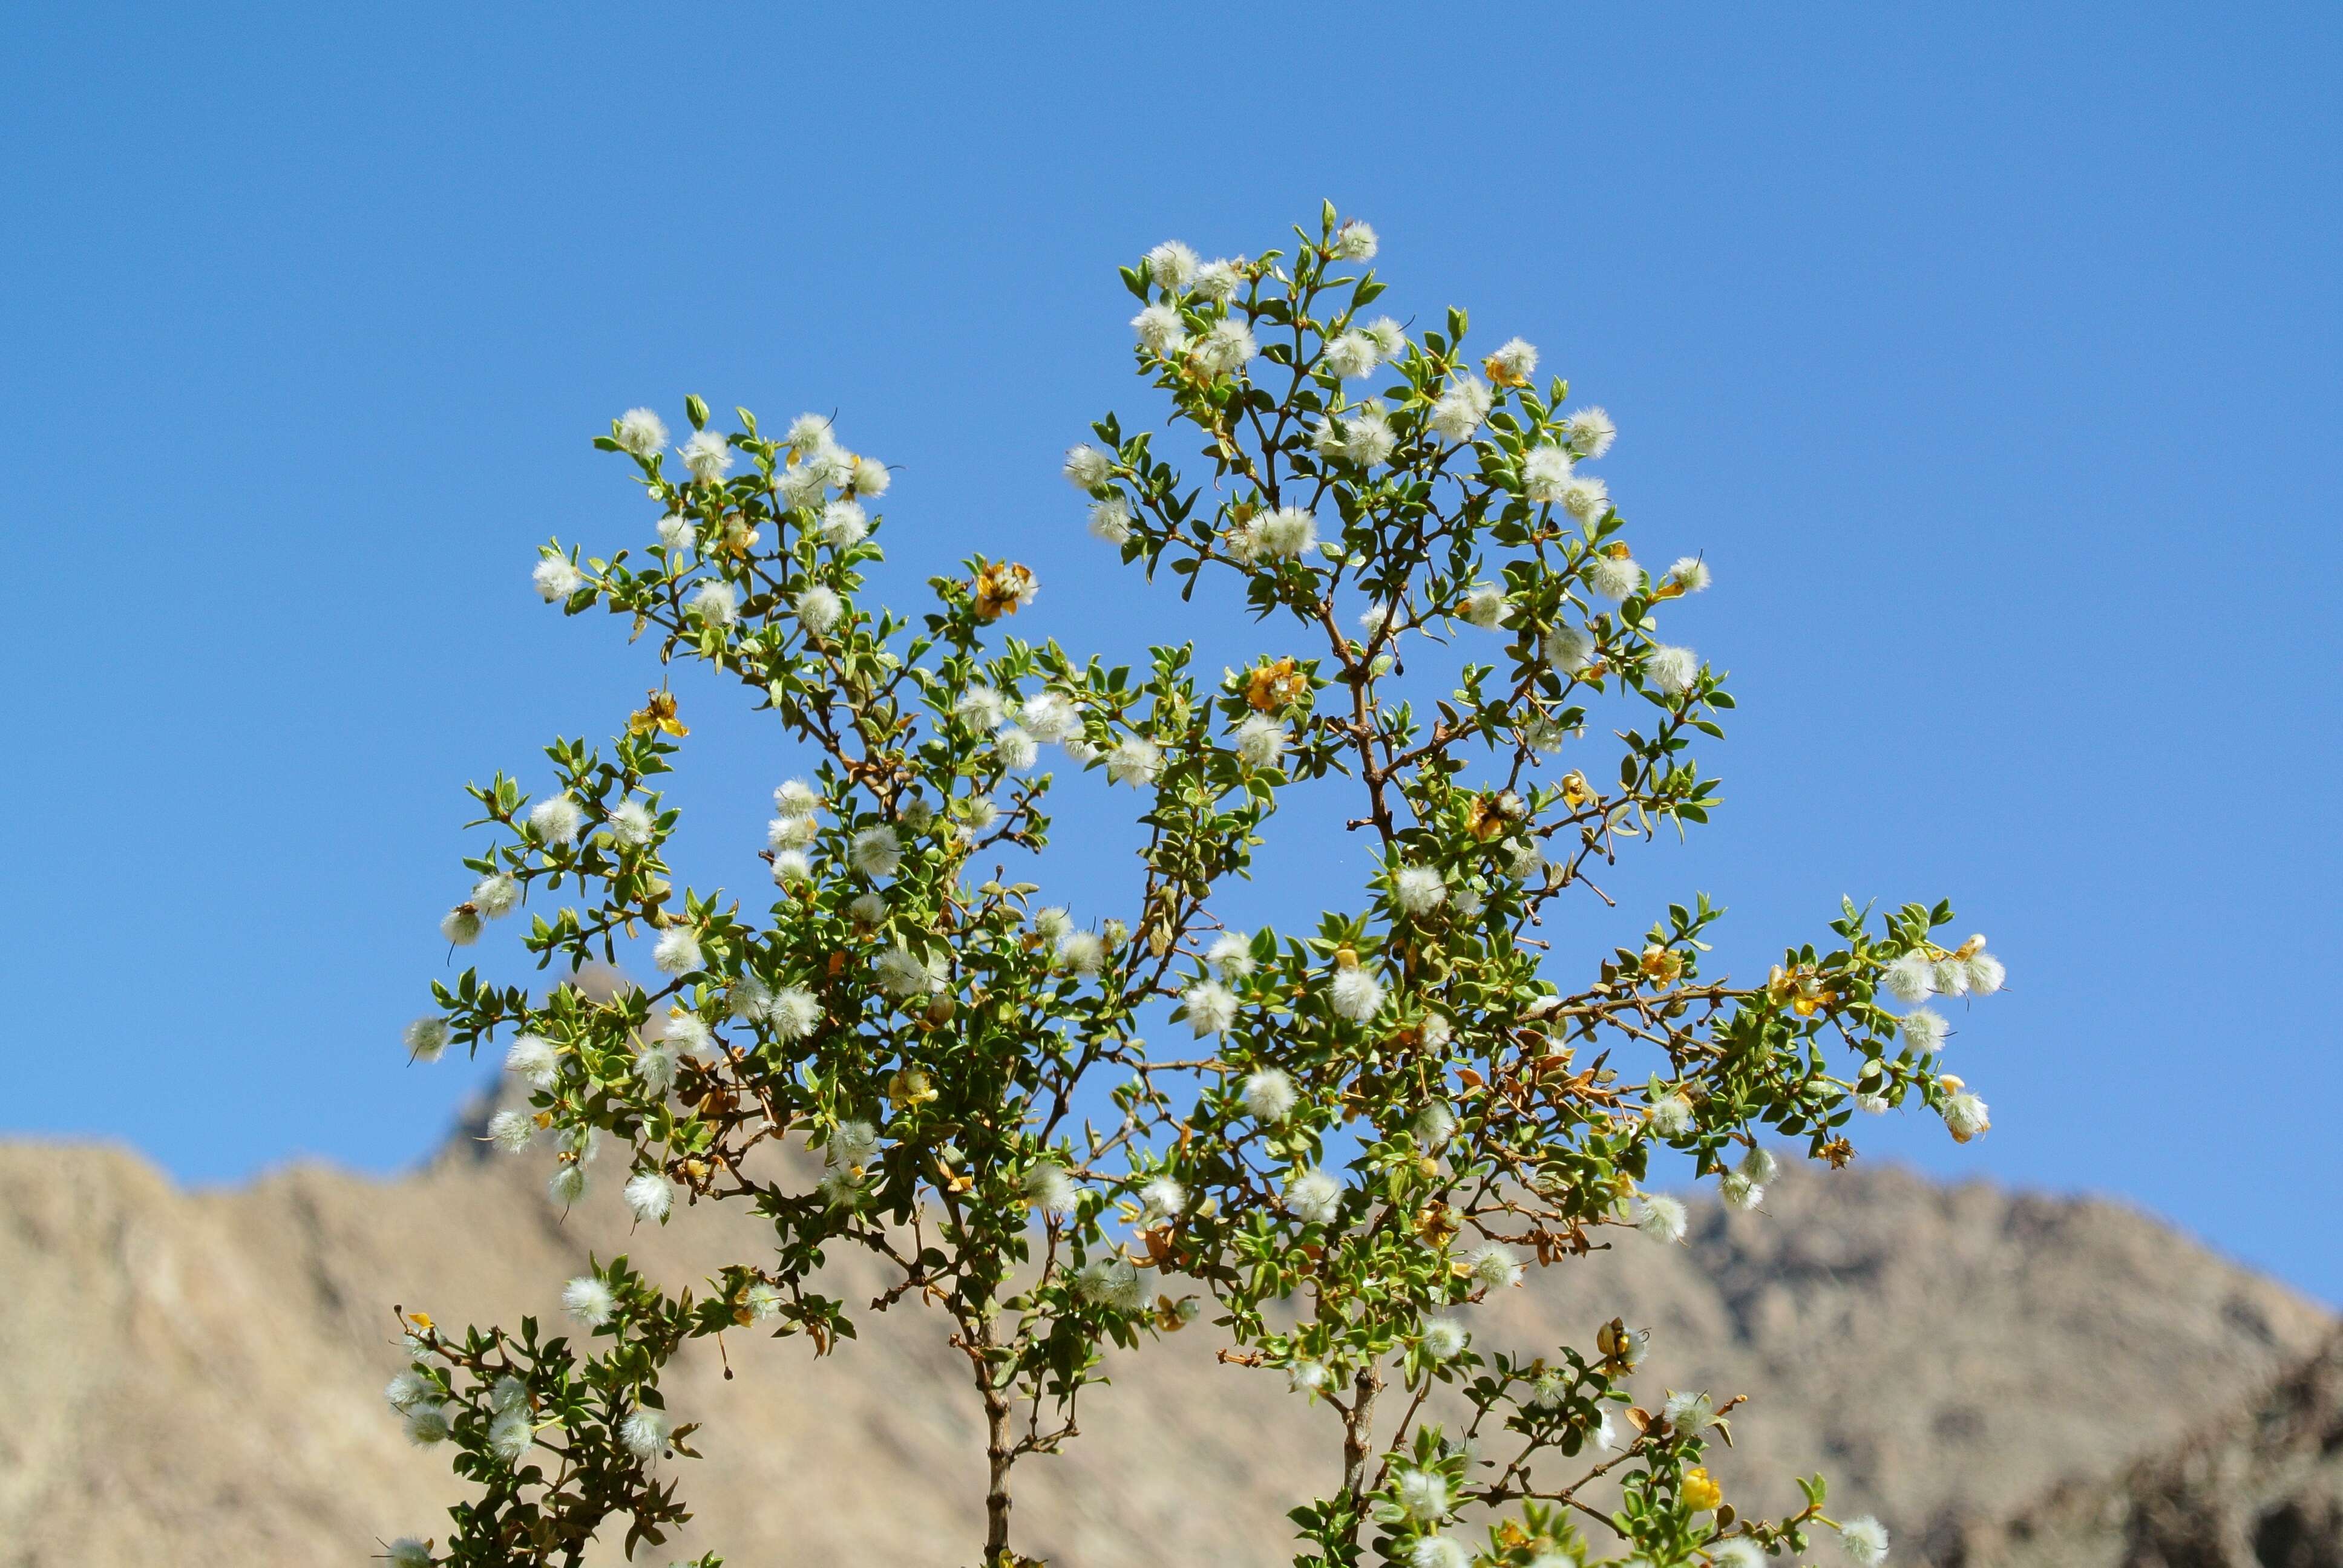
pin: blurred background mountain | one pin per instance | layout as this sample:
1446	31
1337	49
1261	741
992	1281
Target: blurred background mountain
2004	1379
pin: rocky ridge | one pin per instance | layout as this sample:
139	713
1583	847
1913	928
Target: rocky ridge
196	1375
2256	1486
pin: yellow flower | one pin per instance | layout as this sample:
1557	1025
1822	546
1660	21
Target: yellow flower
1699	1492
657	713
1279	684
1621	1346
1492	816
1002	589
1505	372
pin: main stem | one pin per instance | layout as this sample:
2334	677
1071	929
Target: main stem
1000	1453
1358	1443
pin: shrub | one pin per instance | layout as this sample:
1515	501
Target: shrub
1370	1122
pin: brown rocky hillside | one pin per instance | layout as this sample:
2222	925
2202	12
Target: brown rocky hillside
2256	1486
194	1377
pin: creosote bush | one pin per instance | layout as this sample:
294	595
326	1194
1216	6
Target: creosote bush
1365	1125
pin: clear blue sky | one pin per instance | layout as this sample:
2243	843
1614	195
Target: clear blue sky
1991	357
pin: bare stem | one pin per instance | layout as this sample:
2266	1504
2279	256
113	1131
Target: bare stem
999	1448
1358	1443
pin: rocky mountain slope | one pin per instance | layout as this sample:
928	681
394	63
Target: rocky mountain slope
2258	1486
194	1377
